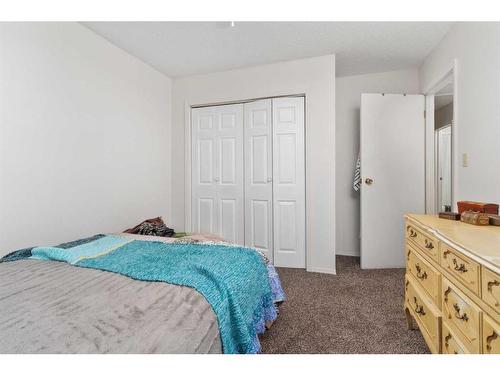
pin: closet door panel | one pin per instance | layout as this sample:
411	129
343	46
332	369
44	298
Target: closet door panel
229	219
206	158
289	182
260	160
206	216
258	175
286	154
230	188
204	170
217	171
261	221
228	158
287	225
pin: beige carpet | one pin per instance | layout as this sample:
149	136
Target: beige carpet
355	311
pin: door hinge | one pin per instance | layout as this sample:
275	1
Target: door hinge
425	114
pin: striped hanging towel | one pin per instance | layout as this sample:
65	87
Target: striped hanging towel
357	175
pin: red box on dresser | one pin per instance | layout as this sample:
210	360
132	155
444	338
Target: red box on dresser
487	208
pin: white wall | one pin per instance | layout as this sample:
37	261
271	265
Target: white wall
476	46
84	136
314	77
348	98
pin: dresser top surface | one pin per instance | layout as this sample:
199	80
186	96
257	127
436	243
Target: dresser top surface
481	241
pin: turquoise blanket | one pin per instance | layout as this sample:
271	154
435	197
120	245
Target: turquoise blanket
92	249
234	280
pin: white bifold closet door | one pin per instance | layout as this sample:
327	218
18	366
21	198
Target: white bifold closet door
257	158
275	179
217	171
289	209
258	135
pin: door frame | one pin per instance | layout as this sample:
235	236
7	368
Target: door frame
450	75
188	161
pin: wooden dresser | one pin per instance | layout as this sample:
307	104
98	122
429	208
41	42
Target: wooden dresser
452	284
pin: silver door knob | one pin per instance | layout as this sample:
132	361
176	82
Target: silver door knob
216	179
368	181
269	179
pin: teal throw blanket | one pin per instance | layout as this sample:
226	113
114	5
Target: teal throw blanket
234	280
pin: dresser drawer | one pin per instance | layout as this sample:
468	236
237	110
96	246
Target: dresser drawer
460	266
425	313
491	336
460	312
427	276
491	289
451	344
427	244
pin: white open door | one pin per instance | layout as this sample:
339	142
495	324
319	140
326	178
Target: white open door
393	174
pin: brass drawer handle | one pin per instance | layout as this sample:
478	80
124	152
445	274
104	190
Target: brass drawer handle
422	276
491	284
412	232
463	317
418	309
445	254
489	339
460	268
429	245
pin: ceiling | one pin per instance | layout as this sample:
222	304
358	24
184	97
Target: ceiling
187	48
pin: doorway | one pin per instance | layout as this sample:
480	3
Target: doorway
441	132
443	160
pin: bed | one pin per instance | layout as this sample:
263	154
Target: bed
120	301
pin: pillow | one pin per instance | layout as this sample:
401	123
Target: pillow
152	227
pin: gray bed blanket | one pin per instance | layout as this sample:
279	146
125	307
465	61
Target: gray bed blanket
52	307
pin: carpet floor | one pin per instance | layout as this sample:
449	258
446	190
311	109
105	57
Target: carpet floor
355	311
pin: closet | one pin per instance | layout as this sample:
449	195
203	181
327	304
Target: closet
248	176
